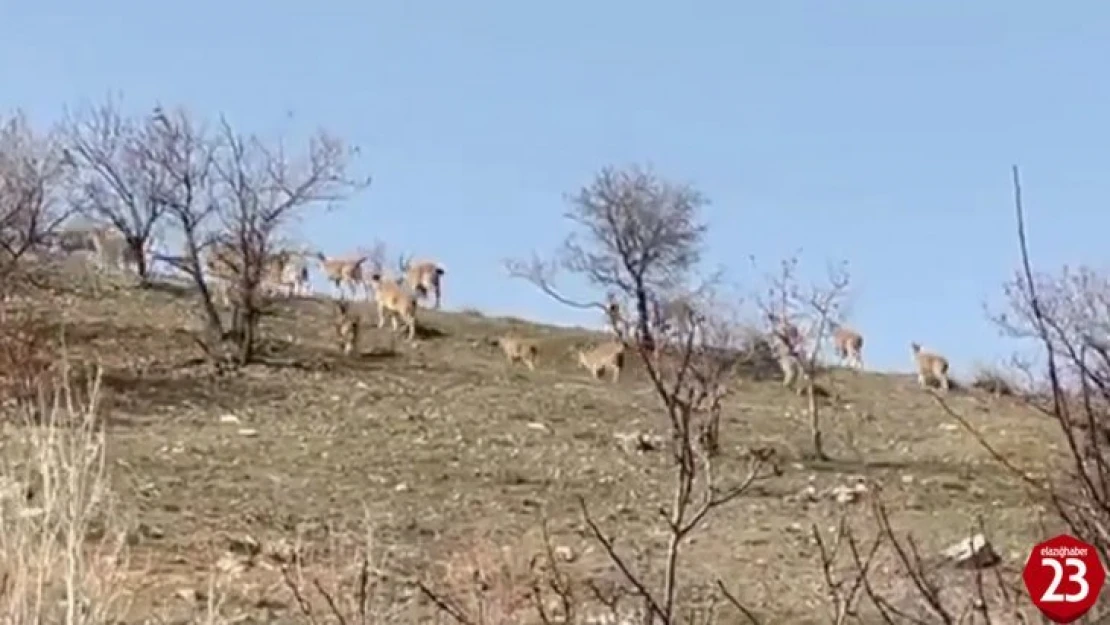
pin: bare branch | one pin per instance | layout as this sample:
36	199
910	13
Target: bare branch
260	189
35	175
119	180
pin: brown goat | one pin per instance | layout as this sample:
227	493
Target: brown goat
343	272
849	346
392	298
424	277
346	327
608	356
520	350
930	366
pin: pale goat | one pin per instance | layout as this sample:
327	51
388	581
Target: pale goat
608	356
520	350
343	272
930	366
392	298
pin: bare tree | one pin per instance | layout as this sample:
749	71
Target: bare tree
638	239
120	181
35	174
817	308
635	234
183	150
1066	317
260	190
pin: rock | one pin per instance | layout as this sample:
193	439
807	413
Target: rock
401	488
229	418
843	494
810	493
244	545
232	565
975	552
639	442
280	551
564	553
248	432
542	427
190	595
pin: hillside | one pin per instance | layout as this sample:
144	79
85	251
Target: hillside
442	445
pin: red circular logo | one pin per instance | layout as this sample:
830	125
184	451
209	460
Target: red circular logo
1064	577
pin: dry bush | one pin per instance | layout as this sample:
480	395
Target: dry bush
992	380
874	575
356	593
488	583
26	356
62	544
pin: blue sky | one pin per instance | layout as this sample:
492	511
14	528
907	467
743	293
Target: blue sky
875	131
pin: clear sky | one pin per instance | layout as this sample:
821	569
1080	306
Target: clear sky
877	131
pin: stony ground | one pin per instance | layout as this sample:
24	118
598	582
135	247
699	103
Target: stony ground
442	448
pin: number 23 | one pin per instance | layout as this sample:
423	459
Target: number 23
1079	577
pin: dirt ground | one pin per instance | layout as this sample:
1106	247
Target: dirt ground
442	448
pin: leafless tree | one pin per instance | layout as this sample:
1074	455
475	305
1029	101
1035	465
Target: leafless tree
119	181
183	149
260	188
638	239
791	306
35	176
635	234
1065	316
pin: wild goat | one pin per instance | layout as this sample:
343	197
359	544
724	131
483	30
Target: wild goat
930	366
787	333
343	272
394	299
112	250
346	327
423	277
286	270
607	356
789	360
849	345
669	323
519	350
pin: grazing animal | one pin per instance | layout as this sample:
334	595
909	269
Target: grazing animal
221	263
789	361
346	327
785	332
394	299
343	272
608	356
286	271
669	322
849	346
424	277
930	366
73	240
112	250
520	350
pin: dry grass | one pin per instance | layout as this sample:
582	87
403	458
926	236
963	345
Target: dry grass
62	547
446	450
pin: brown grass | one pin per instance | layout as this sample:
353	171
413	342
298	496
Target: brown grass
451	456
